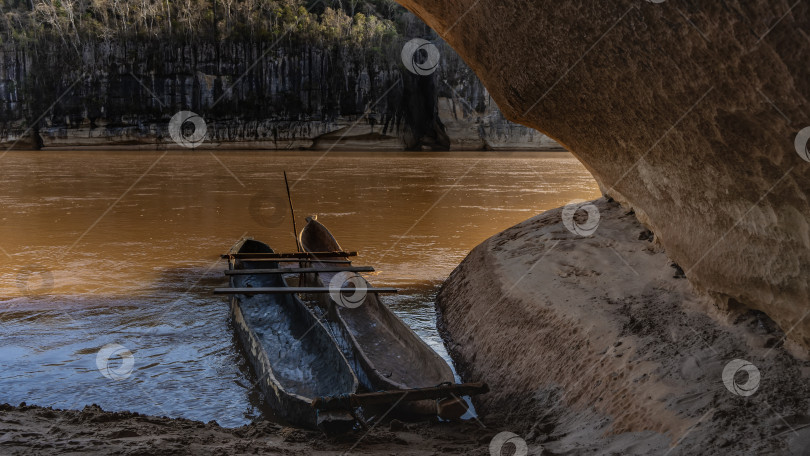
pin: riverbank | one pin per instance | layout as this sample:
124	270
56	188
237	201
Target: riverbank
596	342
592	343
485	132
39	430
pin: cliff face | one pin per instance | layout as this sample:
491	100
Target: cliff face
685	111
284	95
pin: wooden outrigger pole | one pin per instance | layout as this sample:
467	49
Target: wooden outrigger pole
292	212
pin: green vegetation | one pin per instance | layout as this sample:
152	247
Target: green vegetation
365	24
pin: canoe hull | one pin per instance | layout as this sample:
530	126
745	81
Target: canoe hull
288	408
390	359
288	403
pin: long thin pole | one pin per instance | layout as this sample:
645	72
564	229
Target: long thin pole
292	212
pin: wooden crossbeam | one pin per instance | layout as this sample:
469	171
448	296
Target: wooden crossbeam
295	260
298	270
349	401
290	255
291	290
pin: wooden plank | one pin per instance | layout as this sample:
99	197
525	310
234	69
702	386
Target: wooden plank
290	255
298	270
294	260
291	290
350	401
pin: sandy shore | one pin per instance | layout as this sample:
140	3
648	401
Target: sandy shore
38	430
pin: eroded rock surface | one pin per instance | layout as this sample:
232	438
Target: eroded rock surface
596	344
687	111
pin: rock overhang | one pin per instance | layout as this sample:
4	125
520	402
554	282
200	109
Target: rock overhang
688	113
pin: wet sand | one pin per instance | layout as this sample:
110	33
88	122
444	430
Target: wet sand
38	430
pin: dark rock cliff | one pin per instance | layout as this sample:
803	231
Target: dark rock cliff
273	95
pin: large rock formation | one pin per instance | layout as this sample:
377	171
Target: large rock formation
685	111
598	345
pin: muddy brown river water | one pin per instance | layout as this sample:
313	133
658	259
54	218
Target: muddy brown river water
101	248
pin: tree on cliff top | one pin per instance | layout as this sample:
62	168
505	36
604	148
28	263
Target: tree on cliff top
72	22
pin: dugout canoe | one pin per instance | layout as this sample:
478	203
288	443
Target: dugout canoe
294	357
384	351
